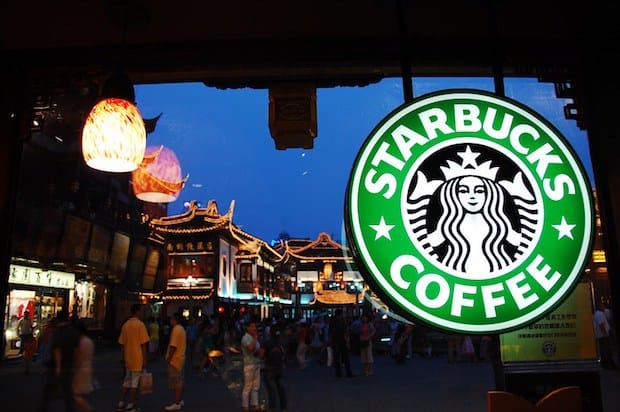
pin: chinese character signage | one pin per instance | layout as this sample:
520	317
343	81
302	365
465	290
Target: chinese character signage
36	277
564	334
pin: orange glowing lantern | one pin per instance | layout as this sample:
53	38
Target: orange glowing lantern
114	136
158	179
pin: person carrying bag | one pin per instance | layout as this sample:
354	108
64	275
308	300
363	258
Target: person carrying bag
145	386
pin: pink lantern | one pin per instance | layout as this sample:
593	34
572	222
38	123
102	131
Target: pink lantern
158	179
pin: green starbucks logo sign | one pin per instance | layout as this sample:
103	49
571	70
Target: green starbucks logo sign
469	212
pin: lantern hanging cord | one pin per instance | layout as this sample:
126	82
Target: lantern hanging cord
497	63
124	25
405	58
118	83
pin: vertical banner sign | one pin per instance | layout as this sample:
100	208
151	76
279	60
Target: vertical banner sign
469	212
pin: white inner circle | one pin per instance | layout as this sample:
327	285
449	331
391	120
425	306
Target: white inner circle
477	233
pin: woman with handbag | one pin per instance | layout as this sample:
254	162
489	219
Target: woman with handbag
367	331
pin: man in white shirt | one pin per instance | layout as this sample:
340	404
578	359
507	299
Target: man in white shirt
252	353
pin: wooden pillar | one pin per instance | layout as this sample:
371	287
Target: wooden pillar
597	92
12	130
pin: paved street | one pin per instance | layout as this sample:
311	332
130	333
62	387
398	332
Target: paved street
420	384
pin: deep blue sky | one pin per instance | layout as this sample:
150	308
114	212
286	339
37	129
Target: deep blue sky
222	140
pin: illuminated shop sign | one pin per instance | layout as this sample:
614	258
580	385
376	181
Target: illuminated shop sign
189	246
564	334
36	277
598	256
469	212
184	283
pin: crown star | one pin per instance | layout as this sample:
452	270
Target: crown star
469	167
469	157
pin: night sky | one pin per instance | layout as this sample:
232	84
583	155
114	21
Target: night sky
222	140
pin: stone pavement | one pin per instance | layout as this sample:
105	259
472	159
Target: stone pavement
420	384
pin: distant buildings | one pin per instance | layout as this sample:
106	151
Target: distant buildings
212	266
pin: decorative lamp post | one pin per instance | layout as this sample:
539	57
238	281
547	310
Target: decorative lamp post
158	179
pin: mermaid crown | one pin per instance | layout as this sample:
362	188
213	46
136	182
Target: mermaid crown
469	166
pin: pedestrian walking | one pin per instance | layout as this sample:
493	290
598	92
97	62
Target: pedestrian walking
339	337
274	363
134	340
25	329
354	335
252	352
454	348
290	334
483	353
367	332
494	354
191	331
83	376
229	345
316	336
207	345
601	333
401	337
303	339
468	351
61	366
164	335
153	329
44	356
175	359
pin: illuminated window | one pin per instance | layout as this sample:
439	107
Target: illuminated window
224	268
245	273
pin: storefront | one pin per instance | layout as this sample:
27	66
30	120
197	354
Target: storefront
42	292
191	297
326	276
88	301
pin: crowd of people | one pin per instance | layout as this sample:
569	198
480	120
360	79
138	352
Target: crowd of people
266	347
202	346
205	346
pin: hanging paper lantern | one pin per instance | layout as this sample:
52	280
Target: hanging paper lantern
114	136
158	179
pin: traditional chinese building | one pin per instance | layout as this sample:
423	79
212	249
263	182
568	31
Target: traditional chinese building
325	273
213	266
